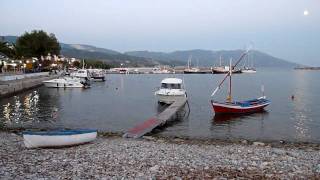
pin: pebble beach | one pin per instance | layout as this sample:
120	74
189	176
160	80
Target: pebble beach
114	157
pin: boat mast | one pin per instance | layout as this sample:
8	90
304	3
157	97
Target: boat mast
229	97
232	67
189	61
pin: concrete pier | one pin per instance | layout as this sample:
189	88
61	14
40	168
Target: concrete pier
10	87
160	119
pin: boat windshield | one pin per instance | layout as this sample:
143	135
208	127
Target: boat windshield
170	86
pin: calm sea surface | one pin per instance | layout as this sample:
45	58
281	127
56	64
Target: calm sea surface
124	100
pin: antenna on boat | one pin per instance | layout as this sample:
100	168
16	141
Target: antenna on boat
262	90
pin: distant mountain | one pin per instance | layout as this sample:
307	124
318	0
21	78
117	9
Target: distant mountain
88	48
82	51
112	58
210	58
148	58
10	39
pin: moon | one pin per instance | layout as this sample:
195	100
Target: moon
305	12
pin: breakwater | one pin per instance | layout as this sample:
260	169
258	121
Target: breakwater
12	84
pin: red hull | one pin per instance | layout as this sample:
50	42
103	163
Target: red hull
237	109
219	109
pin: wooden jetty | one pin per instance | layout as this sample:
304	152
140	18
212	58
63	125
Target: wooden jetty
160	119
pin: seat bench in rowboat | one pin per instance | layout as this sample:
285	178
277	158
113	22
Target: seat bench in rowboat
58	138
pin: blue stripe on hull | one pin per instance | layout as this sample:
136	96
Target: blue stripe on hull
59	132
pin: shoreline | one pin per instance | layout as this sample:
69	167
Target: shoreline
111	156
190	140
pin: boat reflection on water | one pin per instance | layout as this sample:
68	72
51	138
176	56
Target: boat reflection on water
222	119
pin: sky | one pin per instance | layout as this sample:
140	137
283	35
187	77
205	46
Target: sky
288	29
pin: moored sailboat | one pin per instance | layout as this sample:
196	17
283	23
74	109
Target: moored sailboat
248	68
239	107
192	70
223	69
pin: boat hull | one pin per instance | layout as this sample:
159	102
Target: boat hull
248	71
193	72
63	85
58	138
257	105
98	78
169	99
225	71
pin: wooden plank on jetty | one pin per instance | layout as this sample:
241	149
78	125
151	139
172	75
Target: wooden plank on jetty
160	119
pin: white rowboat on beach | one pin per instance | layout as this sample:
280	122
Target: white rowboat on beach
58	138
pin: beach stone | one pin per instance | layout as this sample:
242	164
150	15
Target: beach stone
154	168
258	143
150	138
279	151
244	142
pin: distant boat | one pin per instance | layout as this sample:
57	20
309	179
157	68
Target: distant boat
192	70
97	74
58	138
81	73
171	89
239	107
248	68
223	69
67	82
160	71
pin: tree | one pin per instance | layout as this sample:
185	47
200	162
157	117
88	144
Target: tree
37	43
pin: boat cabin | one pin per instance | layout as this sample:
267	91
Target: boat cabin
171	83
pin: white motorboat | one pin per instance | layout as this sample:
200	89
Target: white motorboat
170	91
81	73
66	82
160	71
248	70
58	138
248	67
97	74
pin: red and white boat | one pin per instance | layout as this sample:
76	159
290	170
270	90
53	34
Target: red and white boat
237	107
250	106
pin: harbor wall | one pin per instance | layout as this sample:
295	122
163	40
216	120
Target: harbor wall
22	76
11	87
